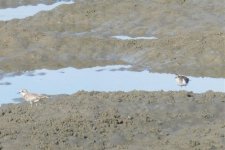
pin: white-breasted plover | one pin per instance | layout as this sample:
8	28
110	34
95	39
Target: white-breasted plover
182	80
31	97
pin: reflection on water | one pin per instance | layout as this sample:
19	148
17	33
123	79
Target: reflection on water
124	37
26	11
108	78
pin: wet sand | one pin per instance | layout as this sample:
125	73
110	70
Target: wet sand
190	41
134	120
79	35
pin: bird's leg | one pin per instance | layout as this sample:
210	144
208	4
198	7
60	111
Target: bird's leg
31	103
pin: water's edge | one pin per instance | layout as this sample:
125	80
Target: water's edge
109	78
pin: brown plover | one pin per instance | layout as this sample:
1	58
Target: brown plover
181	80
31	97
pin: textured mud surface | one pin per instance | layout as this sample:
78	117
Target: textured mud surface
191	37
134	120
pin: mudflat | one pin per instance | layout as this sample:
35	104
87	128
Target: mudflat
118	120
190	41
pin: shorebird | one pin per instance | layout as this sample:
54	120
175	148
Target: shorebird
31	97
181	80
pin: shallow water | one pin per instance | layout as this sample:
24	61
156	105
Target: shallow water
124	37
29	10
108	78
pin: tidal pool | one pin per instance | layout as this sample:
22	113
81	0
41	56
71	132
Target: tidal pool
22	12
108	78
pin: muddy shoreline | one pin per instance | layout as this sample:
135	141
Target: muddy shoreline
191	37
12	3
118	120
81	37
